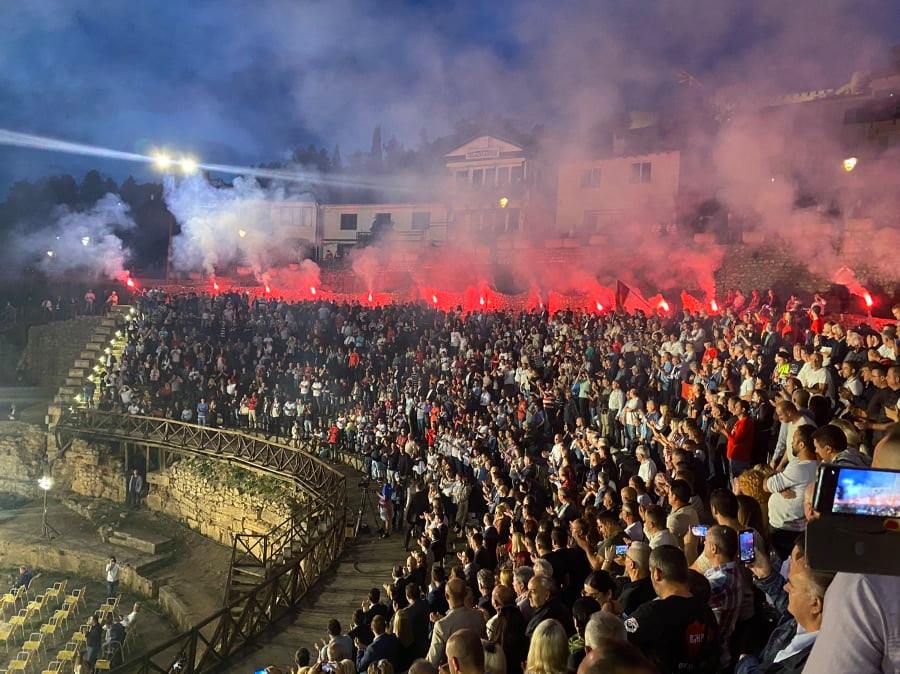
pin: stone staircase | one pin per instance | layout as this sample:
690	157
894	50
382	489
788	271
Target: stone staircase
108	337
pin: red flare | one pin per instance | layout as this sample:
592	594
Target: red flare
370	297
713	305
130	282
481	301
868	298
434	299
312	290
215	285
268	289
599	306
663	305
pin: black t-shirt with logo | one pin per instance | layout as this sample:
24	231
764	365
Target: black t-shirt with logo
679	633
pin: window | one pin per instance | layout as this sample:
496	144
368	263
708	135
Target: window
590	177
421	220
590	221
512	219
382	221
640	172
477	175
517	173
348	221
462	178
503	175
490	177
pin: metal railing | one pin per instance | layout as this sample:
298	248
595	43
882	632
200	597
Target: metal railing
281	565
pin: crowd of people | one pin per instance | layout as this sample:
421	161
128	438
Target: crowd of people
573	489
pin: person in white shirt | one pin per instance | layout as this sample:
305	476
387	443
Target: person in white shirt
655	528
112	577
130	619
787	517
647	470
791	418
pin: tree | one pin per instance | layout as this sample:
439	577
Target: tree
336	164
376	153
92	188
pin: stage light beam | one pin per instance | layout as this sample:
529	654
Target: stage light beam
161	161
188	165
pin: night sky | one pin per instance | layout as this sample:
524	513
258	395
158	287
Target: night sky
246	82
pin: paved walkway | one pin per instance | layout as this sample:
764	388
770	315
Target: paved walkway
366	563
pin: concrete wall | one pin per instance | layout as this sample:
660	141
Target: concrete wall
53	347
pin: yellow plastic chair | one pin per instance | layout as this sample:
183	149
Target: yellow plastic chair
80	636
12	599
34	643
56	592
54	667
68	653
37	605
111	604
63	614
19	621
21	661
77	597
6	632
52	628
102	665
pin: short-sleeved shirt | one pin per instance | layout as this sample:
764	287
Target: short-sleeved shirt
679	633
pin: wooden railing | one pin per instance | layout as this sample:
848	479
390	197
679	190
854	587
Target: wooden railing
269	572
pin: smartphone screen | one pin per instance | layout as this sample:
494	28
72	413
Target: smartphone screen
621	550
745	542
699	530
869	493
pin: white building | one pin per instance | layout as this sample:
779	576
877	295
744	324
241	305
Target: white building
343	226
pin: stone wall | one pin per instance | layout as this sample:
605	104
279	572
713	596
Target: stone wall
53	347
21	449
92	470
219	500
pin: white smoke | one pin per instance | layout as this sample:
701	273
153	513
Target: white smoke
82	243
222	228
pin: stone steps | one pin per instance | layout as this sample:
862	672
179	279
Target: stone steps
143	542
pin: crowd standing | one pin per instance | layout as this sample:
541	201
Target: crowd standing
570	487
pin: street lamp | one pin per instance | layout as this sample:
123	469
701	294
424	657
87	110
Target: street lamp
45	484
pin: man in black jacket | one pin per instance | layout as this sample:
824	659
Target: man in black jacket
546	605
418	612
383	647
508	628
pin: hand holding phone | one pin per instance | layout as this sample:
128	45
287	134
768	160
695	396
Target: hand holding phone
699	530
746	546
621	550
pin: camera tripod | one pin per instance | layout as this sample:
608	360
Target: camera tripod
367	509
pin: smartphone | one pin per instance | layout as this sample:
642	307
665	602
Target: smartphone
857	492
328	668
699	530
745	543
621	550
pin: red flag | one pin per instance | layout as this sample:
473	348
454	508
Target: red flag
622	292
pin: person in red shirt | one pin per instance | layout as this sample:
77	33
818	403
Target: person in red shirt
740	439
